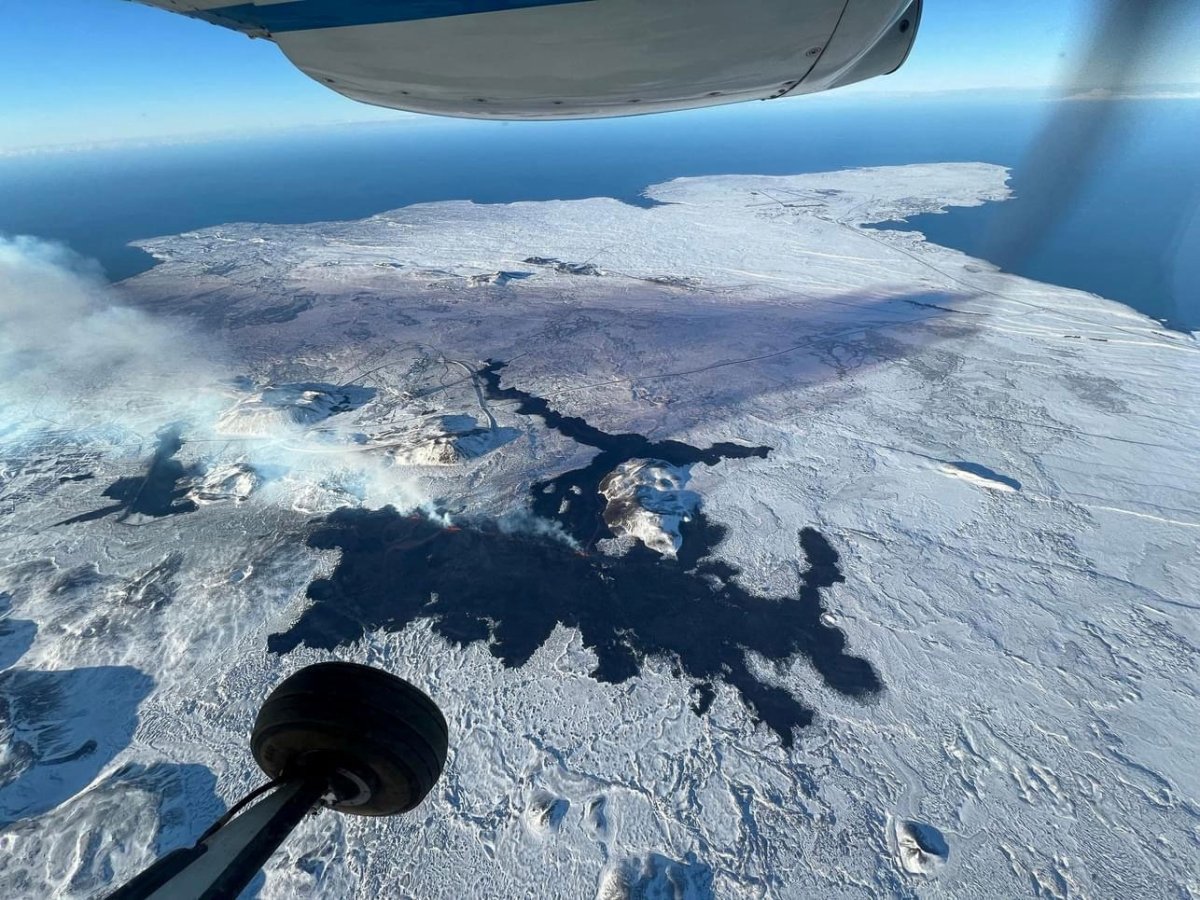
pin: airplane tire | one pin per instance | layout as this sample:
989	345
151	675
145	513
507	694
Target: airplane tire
381	741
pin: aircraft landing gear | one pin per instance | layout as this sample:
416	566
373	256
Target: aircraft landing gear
351	738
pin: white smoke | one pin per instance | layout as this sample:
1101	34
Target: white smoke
522	521
76	361
73	357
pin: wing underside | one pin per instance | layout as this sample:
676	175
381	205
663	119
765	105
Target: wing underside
544	59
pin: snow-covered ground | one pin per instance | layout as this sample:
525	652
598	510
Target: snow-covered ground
1005	469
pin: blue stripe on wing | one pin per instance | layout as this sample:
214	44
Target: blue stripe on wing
305	15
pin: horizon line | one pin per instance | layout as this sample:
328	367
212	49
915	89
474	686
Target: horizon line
1041	93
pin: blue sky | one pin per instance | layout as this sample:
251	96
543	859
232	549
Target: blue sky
95	71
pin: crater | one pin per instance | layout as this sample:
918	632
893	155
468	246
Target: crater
921	848
545	812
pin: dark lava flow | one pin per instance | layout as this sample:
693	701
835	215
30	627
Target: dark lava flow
157	492
574	499
476	583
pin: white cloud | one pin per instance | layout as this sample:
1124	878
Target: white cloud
72	355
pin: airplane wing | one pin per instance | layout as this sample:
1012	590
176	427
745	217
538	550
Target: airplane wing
549	59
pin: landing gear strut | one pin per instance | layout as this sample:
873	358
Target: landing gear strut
351	738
